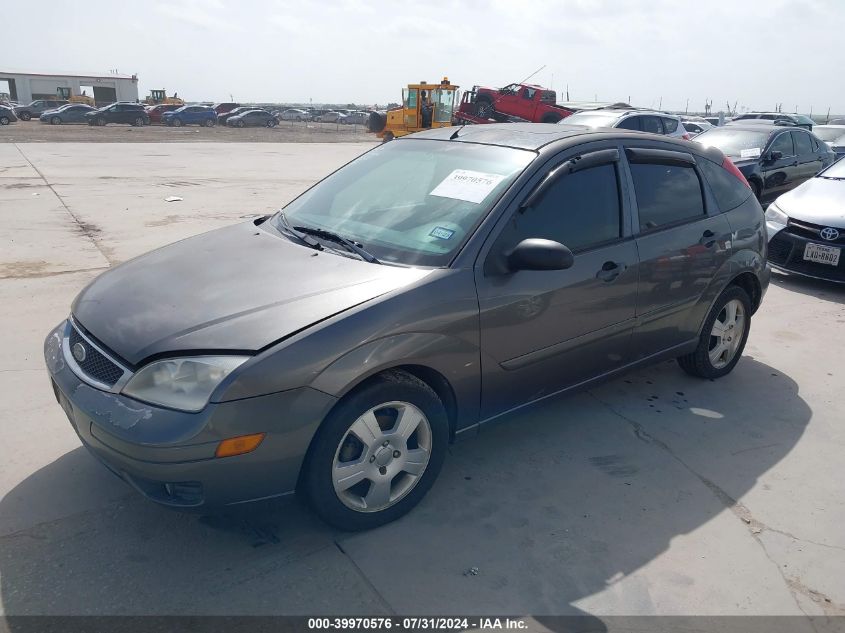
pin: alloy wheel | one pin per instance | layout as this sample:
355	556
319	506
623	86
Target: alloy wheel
382	457
726	334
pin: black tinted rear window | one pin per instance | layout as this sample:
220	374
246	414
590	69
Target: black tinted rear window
666	194
803	145
727	188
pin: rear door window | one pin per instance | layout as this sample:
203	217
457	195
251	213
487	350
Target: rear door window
729	191
651	124
666	194
803	146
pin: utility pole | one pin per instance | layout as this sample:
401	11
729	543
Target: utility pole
686	110
567	92
660	107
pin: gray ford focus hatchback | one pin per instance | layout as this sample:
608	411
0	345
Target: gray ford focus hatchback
431	285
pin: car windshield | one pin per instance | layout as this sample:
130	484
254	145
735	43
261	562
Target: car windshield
803	120
836	170
411	202
829	133
738	143
591	119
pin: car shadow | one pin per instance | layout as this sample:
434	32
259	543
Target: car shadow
534	515
815	288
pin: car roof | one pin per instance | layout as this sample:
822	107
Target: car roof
534	136
757	127
520	135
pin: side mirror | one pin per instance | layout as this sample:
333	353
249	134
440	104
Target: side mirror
539	254
775	155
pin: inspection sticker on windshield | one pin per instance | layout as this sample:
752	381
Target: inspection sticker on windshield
440	232
463	184
754	152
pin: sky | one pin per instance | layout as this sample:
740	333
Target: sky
756	53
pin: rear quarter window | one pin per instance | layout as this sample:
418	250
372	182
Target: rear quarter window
727	189
670	125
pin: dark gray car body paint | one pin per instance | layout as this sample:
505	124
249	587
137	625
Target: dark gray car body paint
320	324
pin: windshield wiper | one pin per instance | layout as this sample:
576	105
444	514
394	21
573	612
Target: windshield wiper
302	237
339	239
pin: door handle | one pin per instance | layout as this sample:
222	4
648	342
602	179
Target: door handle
707	238
795	164
610	271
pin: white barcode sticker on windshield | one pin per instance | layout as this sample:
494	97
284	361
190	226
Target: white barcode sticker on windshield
463	184
754	152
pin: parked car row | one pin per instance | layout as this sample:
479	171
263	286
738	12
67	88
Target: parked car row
343	117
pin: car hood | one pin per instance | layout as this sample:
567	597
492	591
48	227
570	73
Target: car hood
818	201
238	288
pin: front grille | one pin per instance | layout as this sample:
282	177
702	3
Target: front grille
787	252
811	231
95	364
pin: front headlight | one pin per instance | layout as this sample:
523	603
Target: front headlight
182	383
774	215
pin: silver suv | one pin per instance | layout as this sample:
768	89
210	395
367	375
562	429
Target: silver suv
630	119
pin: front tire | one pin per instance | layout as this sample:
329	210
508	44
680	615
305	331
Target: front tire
25	116
377	453
484	109
210	123
139	122
723	336
101	122
177	122
55	121
755	187
241	124
4	120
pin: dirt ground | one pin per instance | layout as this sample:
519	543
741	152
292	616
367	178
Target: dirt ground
286	132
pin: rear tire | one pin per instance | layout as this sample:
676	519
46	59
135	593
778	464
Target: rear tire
101	122
411	455
241	124
723	336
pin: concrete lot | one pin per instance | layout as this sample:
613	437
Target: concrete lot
653	494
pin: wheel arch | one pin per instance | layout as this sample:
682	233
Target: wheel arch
749	282
431	377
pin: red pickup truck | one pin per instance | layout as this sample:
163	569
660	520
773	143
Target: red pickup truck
525	102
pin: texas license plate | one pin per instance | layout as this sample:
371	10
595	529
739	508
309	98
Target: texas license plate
822	254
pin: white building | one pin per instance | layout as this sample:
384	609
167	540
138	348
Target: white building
27	87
